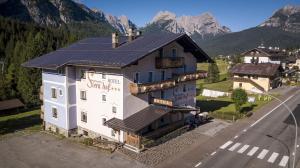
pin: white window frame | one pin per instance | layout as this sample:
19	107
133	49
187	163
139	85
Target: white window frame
103	121
81	95
103	76
104	96
60	92
81	116
55	93
114	109
54	107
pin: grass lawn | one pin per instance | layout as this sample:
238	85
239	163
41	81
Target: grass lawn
223	107
26	121
224	84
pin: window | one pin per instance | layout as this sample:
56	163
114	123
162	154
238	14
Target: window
174	52
103	76
83	95
150	76
83	117
162	94
240	85
103	121
85	133
184	88
103	97
114	109
60	92
137	77
54	112
161	53
162	75
113	133
61	71
82	74
53	93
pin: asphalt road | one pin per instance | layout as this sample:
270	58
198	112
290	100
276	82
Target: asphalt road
267	144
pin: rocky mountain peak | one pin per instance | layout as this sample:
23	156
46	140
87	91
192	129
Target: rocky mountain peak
164	16
121	23
203	24
286	18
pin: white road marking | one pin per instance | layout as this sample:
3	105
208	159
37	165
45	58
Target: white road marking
284	161
236	137
252	151
243	149
271	111
213	153
262	154
198	164
226	145
273	157
234	146
245	130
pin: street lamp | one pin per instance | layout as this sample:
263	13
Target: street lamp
296	125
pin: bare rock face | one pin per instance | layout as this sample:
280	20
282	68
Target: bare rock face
204	24
286	18
57	12
121	23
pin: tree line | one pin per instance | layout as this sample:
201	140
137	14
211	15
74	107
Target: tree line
20	42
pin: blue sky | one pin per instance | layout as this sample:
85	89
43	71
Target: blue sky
235	14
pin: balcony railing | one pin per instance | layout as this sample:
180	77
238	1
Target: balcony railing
190	76
163	102
169	62
150	87
155	86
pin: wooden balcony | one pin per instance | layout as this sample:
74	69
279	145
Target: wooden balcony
169	62
163	102
191	76
150	87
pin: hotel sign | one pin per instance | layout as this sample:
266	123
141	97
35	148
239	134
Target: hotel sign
108	86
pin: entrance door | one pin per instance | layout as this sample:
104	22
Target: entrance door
132	140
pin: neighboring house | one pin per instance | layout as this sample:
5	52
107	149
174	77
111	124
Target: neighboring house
120	89
256	78
10	106
266	55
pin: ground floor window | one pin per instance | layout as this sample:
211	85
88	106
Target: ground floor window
54	112
240	85
83	117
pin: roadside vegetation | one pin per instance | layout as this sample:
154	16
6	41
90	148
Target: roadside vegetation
25	121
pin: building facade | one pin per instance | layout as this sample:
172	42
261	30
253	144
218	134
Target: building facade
120	88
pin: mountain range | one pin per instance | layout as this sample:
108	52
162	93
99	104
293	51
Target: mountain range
282	29
58	12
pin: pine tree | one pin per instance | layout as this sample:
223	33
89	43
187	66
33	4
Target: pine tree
213	73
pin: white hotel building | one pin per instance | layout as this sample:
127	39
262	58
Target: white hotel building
120	88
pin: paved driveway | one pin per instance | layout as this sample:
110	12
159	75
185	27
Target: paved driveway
40	150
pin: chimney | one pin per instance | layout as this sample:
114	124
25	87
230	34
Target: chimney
115	40
130	35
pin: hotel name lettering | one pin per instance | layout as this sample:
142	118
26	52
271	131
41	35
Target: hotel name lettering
108	86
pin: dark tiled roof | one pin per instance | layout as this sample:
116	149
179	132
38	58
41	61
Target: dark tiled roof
139	120
10	104
99	51
261	69
265	52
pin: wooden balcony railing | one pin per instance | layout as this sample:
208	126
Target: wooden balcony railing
150	87
191	76
155	86
169	62
163	102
